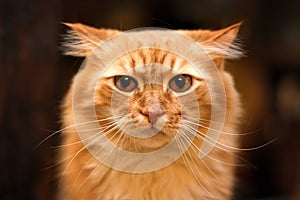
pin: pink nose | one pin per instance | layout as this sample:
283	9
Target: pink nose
153	112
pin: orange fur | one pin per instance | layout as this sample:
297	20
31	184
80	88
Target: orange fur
211	177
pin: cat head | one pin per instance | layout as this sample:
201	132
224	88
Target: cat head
142	88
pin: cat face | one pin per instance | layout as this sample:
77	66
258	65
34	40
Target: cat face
152	96
145	88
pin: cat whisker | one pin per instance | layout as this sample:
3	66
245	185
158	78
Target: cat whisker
184	153
211	157
71	126
186	160
201	119
88	138
227	151
119	124
224	145
225	163
223	132
134	144
92	158
179	142
202	136
91	129
195	148
84	147
58	162
114	143
118	131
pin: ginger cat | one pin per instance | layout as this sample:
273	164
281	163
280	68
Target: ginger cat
152	114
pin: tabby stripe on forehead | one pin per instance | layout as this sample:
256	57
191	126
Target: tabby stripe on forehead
142	57
151	56
156	56
163	58
172	63
181	63
123	64
133	62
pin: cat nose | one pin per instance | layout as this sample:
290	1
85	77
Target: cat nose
153	112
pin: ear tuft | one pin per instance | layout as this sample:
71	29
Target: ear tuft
81	39
225	43
222	43
224	49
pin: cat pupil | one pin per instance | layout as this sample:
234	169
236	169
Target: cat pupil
180	82
125	81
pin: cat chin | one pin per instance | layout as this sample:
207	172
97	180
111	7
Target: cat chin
146	132
151	130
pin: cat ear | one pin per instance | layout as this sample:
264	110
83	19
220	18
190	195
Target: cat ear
82	39
219	44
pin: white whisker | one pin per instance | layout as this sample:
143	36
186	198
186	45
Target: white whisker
120	135
211	157
191	168
194	148
215	122
224	145
223	132
88	138
74	125
232	154
84	147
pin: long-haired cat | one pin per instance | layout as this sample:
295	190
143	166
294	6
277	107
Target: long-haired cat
152	114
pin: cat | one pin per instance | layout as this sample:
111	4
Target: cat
152	114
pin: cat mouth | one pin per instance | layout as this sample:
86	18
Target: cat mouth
152	130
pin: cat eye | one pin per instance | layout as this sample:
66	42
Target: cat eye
125	83
180	83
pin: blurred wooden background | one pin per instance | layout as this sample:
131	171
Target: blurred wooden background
34	77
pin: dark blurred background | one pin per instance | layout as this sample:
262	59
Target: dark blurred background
34	77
